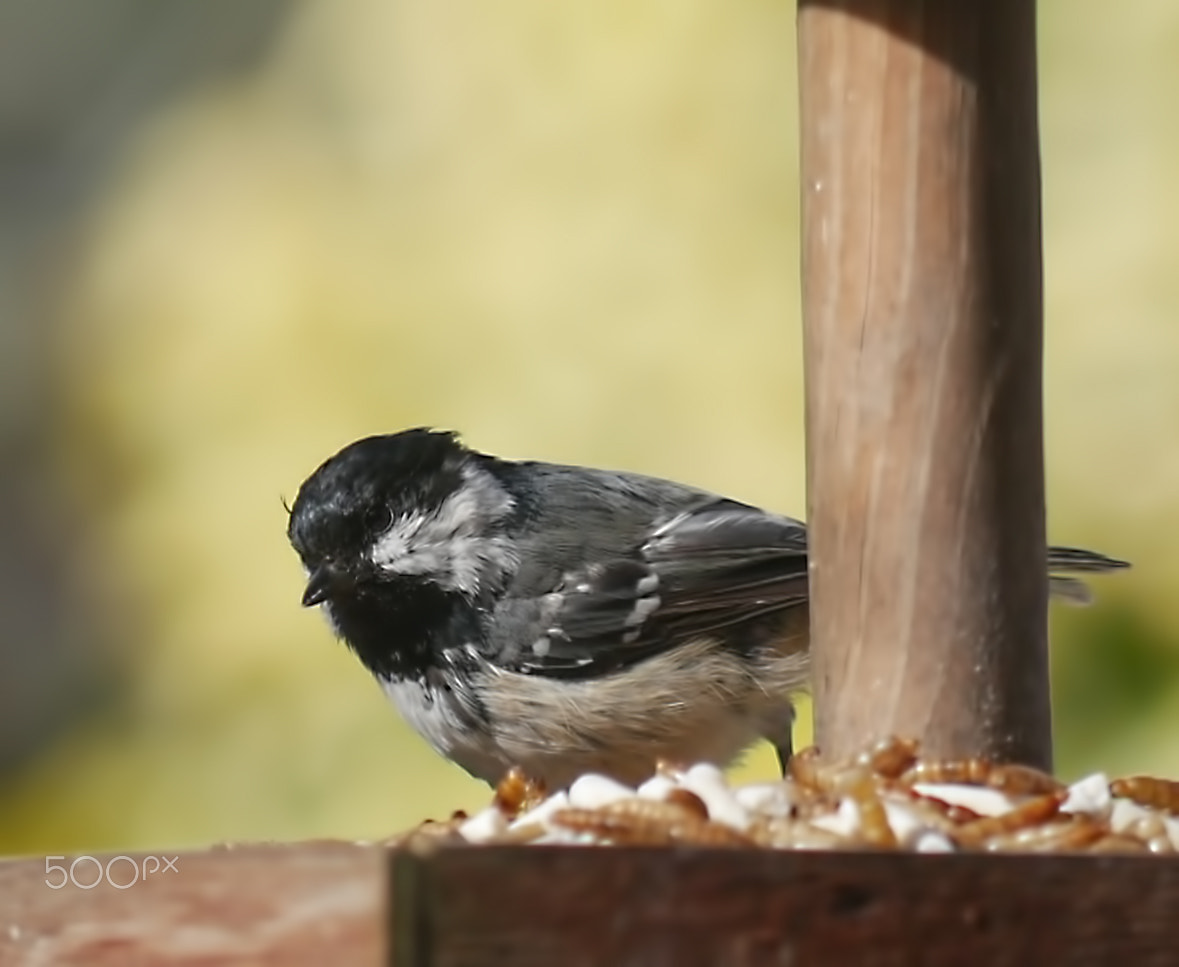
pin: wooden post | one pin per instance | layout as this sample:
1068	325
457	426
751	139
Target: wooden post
923	342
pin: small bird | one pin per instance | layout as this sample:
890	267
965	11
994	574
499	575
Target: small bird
564	619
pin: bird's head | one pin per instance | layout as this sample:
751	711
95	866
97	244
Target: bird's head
391	514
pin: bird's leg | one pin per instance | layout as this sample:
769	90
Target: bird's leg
780	733
785	751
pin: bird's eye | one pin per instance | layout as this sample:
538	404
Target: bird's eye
378	520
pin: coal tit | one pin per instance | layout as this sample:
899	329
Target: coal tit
563	619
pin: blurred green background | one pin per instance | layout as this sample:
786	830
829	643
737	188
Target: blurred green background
235	235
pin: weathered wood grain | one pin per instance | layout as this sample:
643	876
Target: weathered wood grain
479	907
301	905
923	341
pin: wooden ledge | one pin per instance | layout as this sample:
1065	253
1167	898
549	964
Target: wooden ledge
312	904
594	906
325	903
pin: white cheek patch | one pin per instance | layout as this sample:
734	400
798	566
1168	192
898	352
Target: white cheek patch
395	547
456	544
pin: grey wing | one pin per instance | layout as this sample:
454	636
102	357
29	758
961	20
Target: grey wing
718	565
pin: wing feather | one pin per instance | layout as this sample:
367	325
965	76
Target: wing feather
714	566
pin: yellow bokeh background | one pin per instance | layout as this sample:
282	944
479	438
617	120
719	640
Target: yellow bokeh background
569	231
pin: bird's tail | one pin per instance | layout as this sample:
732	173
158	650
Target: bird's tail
1066	561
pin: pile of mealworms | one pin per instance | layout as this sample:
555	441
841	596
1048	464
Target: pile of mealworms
886	798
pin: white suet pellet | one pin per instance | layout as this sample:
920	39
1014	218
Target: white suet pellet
1172	825
845	821
768	798
907	826
1089	796
592	791
483	826
979	799
708	782
657	787
1126	813
933	842
542	813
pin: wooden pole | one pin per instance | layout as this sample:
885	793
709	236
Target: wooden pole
923	342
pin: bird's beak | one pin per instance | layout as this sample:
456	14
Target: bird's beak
320	584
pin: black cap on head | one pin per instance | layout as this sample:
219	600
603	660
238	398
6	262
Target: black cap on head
354	495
